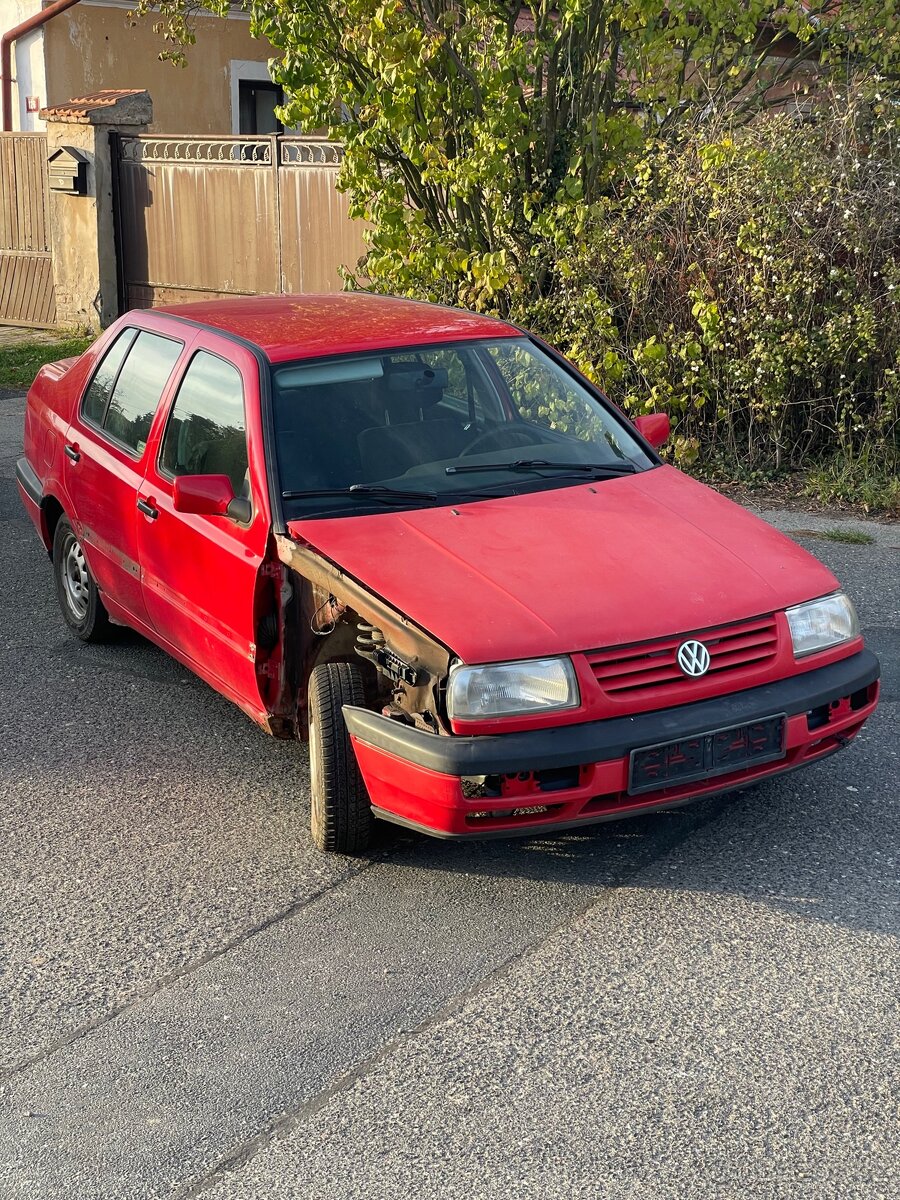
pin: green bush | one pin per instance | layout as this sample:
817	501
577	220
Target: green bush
746	282
478	134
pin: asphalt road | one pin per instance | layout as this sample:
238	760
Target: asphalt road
702	1003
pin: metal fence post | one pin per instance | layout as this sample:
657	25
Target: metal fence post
279	232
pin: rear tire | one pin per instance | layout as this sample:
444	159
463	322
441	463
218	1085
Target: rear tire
341	815
78	597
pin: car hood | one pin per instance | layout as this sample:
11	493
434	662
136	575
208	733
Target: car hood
576	568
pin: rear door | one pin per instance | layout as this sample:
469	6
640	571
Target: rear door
106	445
201	574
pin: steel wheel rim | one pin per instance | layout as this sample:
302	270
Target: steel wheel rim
75	577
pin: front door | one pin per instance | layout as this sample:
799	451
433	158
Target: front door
104	461
201	574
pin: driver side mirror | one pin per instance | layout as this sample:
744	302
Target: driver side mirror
208	496
655	427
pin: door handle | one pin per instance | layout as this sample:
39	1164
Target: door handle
72	452
147	509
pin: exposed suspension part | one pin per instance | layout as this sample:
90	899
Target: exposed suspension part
370	644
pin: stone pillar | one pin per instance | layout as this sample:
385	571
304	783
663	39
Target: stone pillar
82	228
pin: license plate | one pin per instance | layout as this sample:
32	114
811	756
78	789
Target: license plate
706	755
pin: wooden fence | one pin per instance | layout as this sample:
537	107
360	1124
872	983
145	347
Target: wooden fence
202	217
26	267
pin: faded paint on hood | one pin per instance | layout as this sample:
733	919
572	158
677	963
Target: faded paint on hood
577	568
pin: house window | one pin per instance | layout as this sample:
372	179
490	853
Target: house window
257	102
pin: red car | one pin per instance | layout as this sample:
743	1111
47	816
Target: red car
420	538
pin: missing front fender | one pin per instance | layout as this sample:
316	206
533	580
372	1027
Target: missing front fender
343	620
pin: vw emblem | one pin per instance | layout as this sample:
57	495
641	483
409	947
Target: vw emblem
693	658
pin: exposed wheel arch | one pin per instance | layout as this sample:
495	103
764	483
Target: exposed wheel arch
51	511
340	647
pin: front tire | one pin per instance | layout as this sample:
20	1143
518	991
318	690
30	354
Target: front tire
341	815
76	591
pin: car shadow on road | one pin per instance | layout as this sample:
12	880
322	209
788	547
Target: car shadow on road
820	845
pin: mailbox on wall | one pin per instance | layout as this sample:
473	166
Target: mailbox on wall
68	171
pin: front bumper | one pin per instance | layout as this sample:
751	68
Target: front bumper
578	774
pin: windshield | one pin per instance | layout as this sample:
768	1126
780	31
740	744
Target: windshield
444	424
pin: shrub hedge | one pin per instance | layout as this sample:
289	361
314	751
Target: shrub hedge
747	283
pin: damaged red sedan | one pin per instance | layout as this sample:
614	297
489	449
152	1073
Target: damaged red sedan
419	538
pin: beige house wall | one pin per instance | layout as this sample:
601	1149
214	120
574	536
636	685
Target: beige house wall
90	47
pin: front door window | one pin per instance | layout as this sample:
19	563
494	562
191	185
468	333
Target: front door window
206	431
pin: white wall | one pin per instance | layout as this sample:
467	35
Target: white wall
239	69
27	63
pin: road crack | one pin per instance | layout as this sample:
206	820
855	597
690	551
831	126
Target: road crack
283	1123
168	980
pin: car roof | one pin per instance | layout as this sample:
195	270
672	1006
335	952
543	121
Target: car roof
291	327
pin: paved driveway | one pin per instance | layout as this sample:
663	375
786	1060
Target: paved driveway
695	1004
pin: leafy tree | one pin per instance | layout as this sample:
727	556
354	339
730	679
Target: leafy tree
478	133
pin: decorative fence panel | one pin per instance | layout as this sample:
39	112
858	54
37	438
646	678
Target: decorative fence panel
317	235
26	266
202	217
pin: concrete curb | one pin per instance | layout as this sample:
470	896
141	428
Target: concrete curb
884	534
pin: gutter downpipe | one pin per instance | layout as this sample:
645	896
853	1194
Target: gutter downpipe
6	42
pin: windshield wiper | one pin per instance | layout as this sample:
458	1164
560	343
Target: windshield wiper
543	464
374	490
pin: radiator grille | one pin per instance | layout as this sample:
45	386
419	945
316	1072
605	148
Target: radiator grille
628	669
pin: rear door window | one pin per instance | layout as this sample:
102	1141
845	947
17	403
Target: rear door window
96	399
125	392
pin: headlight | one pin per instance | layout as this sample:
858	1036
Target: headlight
822	623
505	689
